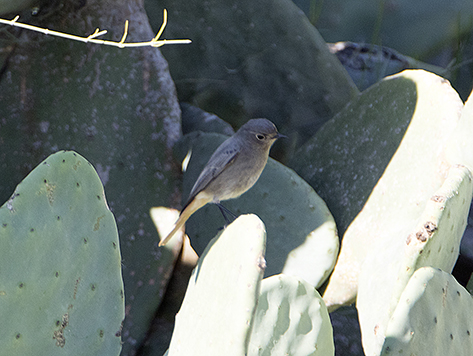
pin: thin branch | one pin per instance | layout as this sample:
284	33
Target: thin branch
155	42
163	26
125	33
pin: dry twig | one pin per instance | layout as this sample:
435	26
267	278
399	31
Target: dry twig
155	42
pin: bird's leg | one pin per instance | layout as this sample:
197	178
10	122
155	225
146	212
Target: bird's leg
224	212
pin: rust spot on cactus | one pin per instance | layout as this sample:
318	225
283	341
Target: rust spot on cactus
76	286
261	263
119	332
430	227
421	235
97	224
376	327
58	335
426	232
50	188
409	239
438	198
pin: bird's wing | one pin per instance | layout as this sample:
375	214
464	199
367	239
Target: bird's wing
224	156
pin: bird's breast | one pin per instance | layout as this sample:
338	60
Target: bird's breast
237	178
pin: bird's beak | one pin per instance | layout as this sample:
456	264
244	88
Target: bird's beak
278	135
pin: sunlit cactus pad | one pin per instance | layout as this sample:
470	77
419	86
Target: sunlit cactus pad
433	317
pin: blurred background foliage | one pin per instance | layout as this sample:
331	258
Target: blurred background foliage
432	31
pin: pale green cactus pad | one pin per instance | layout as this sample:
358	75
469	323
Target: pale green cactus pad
377	163
291	319
433	317
302	236
217	312
61	289
433	241
164	219
460	145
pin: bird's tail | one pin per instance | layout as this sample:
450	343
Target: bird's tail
189	209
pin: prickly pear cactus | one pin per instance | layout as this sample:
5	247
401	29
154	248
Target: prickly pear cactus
115	106
8	7
61	288
367	64
196	119
433	317
460	145
217	312
434	241
302	236
291	319
246	65
377	163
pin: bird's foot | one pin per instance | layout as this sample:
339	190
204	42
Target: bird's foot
225	212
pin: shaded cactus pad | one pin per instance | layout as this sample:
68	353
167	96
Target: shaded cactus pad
61	288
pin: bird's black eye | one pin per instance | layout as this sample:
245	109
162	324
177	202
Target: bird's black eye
260	137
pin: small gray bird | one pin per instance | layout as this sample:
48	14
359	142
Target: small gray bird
234	167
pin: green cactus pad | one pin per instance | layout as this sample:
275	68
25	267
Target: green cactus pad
377	162
433	241
10	7
117	107
302	236
243	65
61	290
291	319
196	119
216	315
433	317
